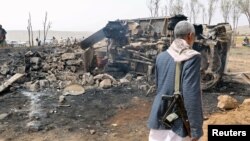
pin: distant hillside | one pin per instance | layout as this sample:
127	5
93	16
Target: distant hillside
22	35
244	30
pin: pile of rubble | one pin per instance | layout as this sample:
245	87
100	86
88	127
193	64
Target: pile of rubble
56	68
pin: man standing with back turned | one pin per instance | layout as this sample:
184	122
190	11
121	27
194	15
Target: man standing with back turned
179	51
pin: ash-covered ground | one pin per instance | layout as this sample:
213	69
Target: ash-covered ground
115	113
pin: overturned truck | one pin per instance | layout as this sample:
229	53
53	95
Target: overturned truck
132	45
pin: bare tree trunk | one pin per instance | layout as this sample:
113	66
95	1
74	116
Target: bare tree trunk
211	9
153	6
162	12
170	7
31	32
236	25
150	7
46	27
226	6
166	10
235	13
188	12
234	18
177	7
195	9
32	39
156	8
245	7
204	14
248	18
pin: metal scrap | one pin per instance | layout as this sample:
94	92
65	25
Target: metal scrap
134	45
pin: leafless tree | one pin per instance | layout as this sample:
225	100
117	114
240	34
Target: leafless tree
28	28
188	12
225	7
245	7
235	13
150	7
30	32
211	9
153	6
195	9
46	27
204	13
168	7
176	7
156	7
165	10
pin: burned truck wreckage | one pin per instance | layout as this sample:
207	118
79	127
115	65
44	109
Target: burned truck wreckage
132	46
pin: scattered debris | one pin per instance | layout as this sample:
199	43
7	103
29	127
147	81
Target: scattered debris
139	78
104	76
245	78
227	102
3	116
10	81
124	81
4	69
87	79
33	87
43	83
63	105
34	126
232	93
246	101
61	98
128	76
143	87
106	83
92	132
114	124
205	118
151	90
73	89
68	56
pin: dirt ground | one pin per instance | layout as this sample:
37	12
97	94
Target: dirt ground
115	114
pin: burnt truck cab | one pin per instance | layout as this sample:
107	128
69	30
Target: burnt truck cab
132	45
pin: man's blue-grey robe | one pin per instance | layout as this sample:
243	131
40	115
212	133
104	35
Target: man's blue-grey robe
191	91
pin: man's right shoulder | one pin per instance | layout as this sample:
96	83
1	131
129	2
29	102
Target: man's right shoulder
162	55
196	59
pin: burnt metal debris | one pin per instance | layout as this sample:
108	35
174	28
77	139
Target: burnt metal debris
132	45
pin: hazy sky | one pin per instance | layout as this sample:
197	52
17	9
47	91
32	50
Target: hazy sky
76	15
